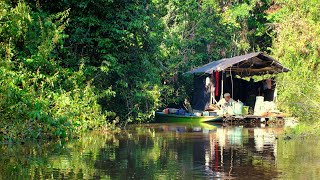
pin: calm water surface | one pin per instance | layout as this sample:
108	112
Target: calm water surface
168	151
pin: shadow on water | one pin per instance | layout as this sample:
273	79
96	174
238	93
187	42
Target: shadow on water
167	151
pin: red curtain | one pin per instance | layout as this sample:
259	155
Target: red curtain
217	84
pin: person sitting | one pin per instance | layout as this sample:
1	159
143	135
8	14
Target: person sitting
226	101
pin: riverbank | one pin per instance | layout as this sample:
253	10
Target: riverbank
304	129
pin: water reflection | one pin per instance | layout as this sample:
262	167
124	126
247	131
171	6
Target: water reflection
232	152
163	151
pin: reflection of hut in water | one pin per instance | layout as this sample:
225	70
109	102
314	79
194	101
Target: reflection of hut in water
263	139
234	154
225	153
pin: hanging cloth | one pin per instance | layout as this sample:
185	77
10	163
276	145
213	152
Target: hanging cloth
231	83
217	84
221	96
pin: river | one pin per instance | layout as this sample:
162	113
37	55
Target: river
168	151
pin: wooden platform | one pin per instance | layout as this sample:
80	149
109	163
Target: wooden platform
252	118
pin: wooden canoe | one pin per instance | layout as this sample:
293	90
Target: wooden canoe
173	118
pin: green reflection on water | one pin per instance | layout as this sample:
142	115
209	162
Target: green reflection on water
167	151
299	158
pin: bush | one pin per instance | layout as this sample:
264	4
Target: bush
38	97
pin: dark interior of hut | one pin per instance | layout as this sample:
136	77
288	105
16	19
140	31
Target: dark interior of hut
208	89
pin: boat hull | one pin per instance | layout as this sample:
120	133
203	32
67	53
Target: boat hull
173	118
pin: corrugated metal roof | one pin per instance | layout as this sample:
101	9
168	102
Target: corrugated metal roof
256	63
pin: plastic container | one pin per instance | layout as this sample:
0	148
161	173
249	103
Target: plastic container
259	99
245	110
173	110
237	107
181	112
205	113
213	113
259	106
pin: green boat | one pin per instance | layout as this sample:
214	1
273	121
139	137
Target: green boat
170	118
190	126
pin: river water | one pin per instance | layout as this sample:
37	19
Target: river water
168	151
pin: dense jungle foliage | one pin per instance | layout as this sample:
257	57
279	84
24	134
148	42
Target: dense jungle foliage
68	66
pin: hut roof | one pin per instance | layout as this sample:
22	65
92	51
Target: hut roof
251	64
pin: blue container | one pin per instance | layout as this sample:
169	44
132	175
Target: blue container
181	112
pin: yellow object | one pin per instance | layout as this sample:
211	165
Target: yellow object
245	110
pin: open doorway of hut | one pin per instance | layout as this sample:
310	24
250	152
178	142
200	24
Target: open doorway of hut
209	89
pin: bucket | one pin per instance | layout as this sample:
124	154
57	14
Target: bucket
245	110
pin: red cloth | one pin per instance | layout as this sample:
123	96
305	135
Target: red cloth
217	83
